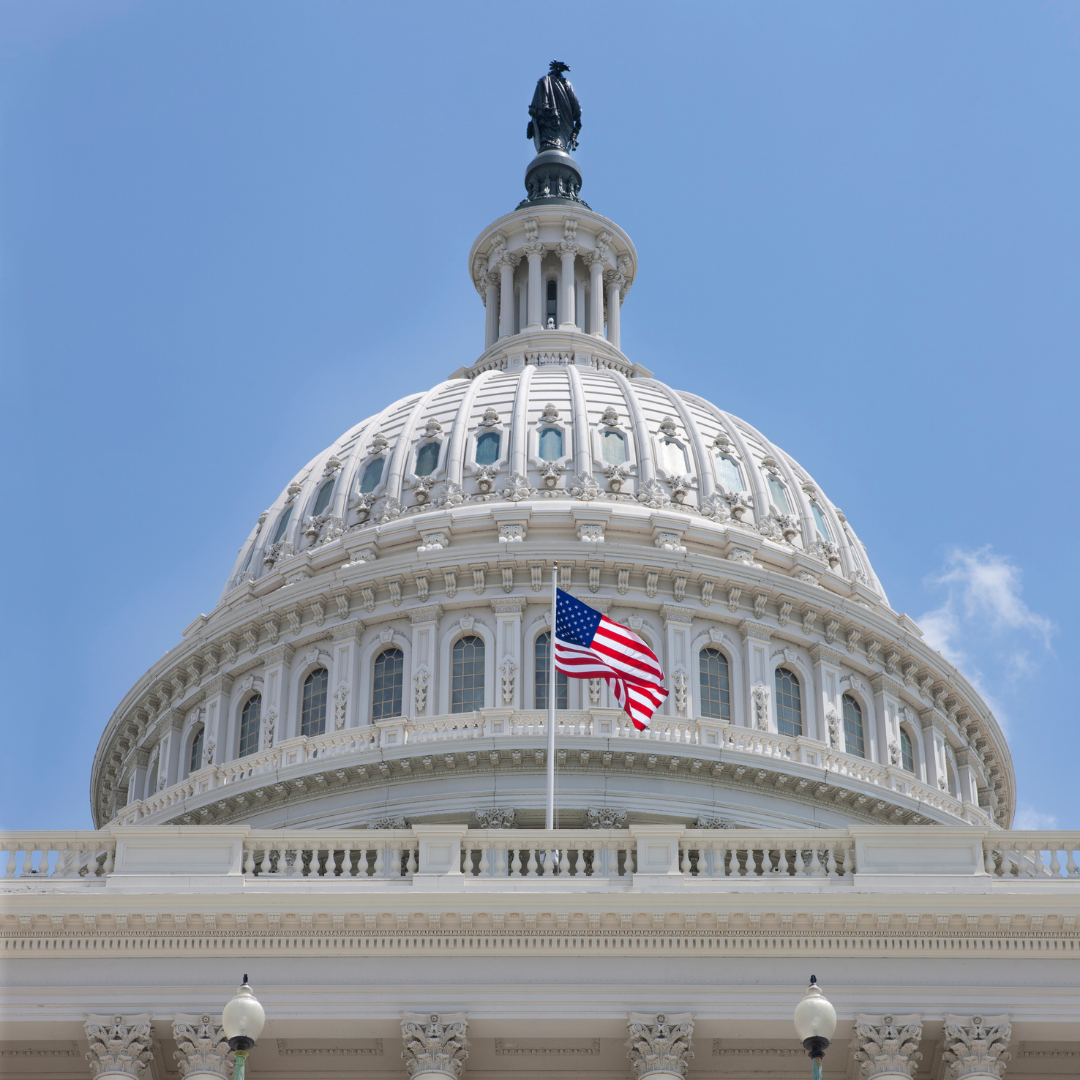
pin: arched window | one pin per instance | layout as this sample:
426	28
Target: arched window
427	459
322	500
674	457
542	671
820	522
487	448
195	761
313	713
249	725
372	475
727	469
550	444
854	734
467	675
613	447
778	493
715	684
907	751
386	689
552	317
282	525
788	702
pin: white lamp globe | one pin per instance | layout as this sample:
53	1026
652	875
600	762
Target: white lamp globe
243	1017
815	1018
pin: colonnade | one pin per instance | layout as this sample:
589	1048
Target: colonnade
659	1046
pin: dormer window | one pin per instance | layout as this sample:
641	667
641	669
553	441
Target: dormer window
613	447
322	500
674	457
552	309
819	521
729	473
283	524
778	494
550	444
487	448
427	459
372	475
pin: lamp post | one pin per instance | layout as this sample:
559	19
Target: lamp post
242	1020
815	1021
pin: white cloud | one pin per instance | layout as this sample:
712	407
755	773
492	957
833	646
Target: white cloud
1027	817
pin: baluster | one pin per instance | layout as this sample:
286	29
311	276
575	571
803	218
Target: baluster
800	864
380	862
267	864
533	867
1070	863
613	859
816	869
988	858
725	862
684	861
395	860
743	866
410	864
782	866
1029	855
346	862
485	864
597	868
515	864
830	863
65	862
110	854
1055	866
849	859
249	860
13	850
564	860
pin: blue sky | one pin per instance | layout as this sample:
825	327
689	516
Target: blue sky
229	231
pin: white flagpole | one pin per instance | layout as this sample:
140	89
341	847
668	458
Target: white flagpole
551	704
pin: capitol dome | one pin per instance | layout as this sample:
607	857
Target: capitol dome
378	654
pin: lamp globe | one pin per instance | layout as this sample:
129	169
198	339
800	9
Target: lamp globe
815	1022
243	1018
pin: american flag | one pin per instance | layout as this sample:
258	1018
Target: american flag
589	645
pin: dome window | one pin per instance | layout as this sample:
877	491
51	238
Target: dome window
372	475
542	655
195	760
427	459
715	684
322	500
386	689
550	444
552	319
467	675
778	493
282	525
729	473
788	702
819	521
907	752
854	733
613	447
313	713
674	457
250	722
487	448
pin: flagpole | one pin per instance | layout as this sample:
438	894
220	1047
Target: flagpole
551	704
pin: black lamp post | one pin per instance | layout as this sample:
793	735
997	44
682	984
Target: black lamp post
242	1020
815	1022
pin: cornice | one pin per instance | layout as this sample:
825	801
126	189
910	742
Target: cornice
758	631
674	613
508	605
822	654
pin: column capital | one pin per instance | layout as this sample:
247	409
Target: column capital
887	1045
975	1046
435	1043
203	1048
659	1043
534	249
119	1045
566	248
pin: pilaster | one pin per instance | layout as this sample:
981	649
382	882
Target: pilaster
887	716
677	631
344	705
758	707
275	722
508	679
203	1052
828	709
218	692
425	652
934	750
887	1047
120	1046
659	1046
436	1044
976	1047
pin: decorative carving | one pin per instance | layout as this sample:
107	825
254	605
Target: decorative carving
268	728
119	1044
680	680
453	494
203	1046
610	417
495	818
894	753
341	701
976	1045
388	823
485	477
887	1045
741	555
450	581
734	592
738	503
760	696
659	1043
434	1043
832	723
517	488
590	534
831	626
536	577
478	582
616	475
680	486
623	581
420	685
715	507
669	541
508	669
594	691
679	587
706	592
585	487
653	494
603	817
705	822
652	581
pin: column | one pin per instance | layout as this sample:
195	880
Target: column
969	782
491	330
345	651
436	1044
886	714
425	646
595	262
887	1047
659	1045
120	1046
169	753
567	251
974	1047
535	252
615	281
579	304
218	691
522	307
508	677
275	704
828	712
759	681
203	1049
937	775
137	784
506	294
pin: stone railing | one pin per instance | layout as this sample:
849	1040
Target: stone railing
451	856
362	749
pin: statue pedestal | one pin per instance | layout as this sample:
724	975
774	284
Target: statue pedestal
552	174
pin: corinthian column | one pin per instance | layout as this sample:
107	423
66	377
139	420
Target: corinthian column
534	251
659	1045
204	1052
506	294
120	1046
887	1046
567	251
615	281
974	1047
435	1044
491	302
595	262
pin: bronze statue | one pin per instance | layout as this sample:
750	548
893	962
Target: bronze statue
555	112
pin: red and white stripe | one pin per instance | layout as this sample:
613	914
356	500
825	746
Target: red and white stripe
619	657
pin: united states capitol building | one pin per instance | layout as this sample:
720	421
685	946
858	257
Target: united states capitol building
335	781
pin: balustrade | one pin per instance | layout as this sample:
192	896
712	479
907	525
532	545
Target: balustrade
57	856
1031	855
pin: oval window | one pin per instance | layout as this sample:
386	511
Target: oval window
819	521
674	457
729	473
613	447
322	500
372	475
550	444
427	459
283	524
778	494
487	448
